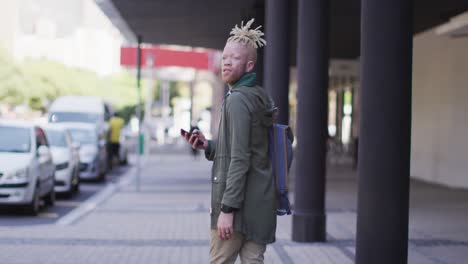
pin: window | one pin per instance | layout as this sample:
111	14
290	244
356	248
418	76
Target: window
15	139
58	117
56	138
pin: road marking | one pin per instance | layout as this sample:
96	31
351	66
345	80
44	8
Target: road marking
48	215
86	187
67	203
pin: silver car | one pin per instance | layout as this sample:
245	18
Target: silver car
26	166
125	145
93	152
66	159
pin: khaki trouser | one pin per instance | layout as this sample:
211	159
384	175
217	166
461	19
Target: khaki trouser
226	251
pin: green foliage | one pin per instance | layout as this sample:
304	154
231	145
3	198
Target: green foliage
36	103
348	97
174	91
126	112
12	81
38	82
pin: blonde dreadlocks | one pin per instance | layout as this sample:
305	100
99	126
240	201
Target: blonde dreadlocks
244	34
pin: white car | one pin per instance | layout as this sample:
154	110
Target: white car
93	150
26	167
66	159
125	141
82	109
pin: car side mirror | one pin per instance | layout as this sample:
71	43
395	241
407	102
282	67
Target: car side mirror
76	145
42	151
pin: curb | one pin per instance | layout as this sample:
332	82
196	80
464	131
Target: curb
91	204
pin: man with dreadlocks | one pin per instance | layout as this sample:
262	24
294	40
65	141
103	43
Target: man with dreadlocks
243	203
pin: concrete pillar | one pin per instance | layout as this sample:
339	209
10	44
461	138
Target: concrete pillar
192	91
219	91
276	78
309	219
339	112
259	15
385	128
354	94
193	116
166	108
148	105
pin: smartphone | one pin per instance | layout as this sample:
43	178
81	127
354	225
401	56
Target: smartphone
184	133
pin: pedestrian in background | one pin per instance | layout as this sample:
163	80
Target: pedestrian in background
116	124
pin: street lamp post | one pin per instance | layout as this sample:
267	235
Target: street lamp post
148	102
137	180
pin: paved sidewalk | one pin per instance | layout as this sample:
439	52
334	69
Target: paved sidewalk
167	221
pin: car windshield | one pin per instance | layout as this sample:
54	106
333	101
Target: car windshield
56	138
15	139
58	117
83	136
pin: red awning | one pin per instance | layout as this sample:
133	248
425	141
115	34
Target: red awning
164	57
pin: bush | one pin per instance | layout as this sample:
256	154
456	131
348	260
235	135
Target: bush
39	82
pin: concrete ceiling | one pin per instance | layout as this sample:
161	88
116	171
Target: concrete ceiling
207	23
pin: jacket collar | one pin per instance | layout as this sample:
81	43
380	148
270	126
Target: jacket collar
249	80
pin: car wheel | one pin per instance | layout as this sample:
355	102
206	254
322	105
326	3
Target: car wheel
33	207
50	198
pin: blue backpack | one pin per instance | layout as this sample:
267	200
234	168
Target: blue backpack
280	141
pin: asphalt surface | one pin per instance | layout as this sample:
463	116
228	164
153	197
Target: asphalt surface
49	215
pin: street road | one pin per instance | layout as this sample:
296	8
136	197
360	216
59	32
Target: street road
63	205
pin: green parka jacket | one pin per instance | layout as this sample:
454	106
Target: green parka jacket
241	174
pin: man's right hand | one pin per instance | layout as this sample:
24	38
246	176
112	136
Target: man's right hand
196	137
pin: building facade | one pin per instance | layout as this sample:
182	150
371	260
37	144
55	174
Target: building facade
75	32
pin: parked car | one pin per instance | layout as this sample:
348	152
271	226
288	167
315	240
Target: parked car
125	145
93	150
26	166
66	159
82	109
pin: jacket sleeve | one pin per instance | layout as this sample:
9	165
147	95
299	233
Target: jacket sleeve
211	150
239	120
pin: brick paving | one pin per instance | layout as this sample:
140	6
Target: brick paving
167	221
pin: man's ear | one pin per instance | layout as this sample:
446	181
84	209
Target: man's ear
250	66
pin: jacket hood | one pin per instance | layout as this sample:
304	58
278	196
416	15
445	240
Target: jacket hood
258	98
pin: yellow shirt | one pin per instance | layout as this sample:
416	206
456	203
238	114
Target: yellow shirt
115	123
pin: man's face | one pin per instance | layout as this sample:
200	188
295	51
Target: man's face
235	62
